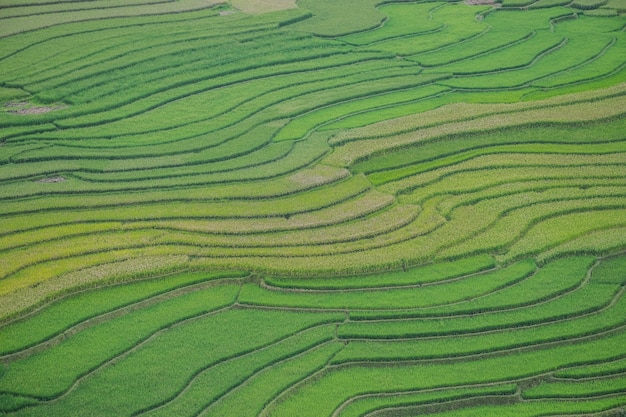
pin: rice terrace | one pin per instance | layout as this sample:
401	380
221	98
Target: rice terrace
312	208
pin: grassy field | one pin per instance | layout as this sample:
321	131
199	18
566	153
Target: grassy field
315	208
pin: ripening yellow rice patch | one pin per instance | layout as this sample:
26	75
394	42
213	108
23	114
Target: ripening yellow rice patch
599	241
117	268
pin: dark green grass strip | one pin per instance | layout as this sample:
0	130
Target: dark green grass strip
511	338
530	148
506	28
336	18
540	408
578	389
589	299
139	98
136	101
592	371
542	286
215	382
608	63
391	106
185	147
460	25
550	62
39	375
276	102
431	295
62	314
341	383
207	341
9	402
224	157
518	55
240	104
380	404
418	89
38	8
544	137
612	271
251	398
402	20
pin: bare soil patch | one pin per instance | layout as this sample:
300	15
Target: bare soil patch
51	180
16	104
25	108
37	110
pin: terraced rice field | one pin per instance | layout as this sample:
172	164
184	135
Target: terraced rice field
312	208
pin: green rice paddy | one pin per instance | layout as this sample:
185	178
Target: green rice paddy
330	208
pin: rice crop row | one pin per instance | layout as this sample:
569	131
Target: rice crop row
514	167
515	56
369	208
597	387
506	29
293	204
482	107
359	150
429	273
454	149
62	315
18	378
8	11
126	238
379	404
459	24
351	380
238	366
535	408
414	91
431	295
402	19
536	288
538	139
330	18
202	391
586	299
302	155
590	371
291	184
542	67
26	23
461	345
539	215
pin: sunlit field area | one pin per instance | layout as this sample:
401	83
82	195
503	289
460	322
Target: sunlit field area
324	208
